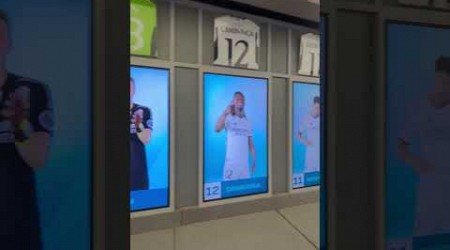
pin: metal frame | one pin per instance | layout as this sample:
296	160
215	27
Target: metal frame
306	80
144	62
233	72
324	126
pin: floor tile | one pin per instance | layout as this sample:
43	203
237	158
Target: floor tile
305	218
154	240
259	231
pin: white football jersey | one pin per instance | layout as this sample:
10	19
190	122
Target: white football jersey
237	149
310	55
310	127
426	128
237	42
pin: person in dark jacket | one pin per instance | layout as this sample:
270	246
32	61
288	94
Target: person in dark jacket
26	125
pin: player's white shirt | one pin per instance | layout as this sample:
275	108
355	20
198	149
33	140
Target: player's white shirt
428	131
242	36
310	128
237	149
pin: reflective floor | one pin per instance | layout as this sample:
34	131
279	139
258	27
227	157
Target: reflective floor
285	229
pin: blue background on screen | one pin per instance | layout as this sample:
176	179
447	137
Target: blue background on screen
152	91
412	51
244	187
302	102
218	93
51	43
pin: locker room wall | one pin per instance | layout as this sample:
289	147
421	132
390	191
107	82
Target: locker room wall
186	86
187	122
279	144
192	25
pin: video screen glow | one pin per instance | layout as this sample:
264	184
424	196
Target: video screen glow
305	135
418	137
46	125
235	136
149	138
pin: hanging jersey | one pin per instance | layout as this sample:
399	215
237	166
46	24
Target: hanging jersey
310	55
237	42
143	24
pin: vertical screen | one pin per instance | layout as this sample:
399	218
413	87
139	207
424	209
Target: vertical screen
306	143
149	138
45	125
418	137
235	136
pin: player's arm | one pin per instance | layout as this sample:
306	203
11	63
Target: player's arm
144	131
251	146
220	124
145	135
35	149
405	155
301	137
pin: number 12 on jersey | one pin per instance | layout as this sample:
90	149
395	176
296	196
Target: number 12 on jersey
236	42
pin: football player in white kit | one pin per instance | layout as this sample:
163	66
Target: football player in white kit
309	135
425	145
239	142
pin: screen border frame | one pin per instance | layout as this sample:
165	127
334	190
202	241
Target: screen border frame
232	72
292	83
143	62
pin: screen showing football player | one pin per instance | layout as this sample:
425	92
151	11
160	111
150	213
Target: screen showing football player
309	135
239	141
424	145
141	127
26	125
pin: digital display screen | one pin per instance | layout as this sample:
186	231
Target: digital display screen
149	138
45	124
306	130
417	137
235	136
